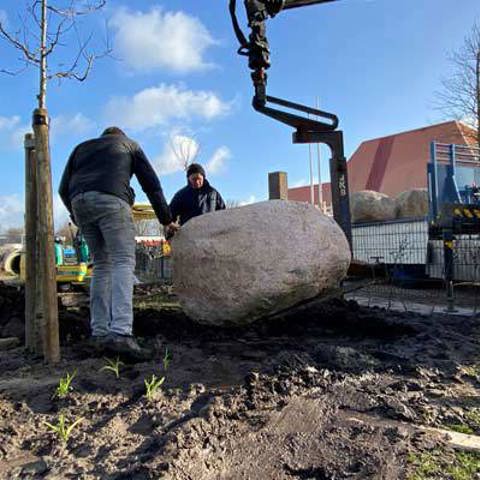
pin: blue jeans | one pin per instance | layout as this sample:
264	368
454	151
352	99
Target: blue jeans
107	225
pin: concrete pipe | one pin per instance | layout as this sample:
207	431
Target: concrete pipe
10	257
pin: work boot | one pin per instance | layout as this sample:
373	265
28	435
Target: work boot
126	347
97	344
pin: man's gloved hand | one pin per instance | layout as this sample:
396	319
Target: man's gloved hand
171	229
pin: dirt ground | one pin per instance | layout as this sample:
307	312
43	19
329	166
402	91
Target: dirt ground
334	391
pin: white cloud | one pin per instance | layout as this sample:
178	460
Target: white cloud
218	159
12	208
182	149
161	39
60	213
17	136
75	125
159	105
12	131
177	152
251	199
9	123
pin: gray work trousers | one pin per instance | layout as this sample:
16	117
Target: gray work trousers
106	223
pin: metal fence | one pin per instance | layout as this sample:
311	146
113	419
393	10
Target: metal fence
152	266
392	242
406	269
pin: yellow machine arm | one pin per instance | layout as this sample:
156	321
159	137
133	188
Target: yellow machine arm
143	211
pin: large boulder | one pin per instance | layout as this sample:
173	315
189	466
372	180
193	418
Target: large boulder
235	266
370	206
412	203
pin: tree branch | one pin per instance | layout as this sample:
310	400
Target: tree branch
59	32
18	45
460	93
73	12
60	22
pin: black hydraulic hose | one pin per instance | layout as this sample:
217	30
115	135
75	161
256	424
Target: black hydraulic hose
236	26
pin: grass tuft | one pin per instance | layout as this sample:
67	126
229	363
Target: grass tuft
113	366
437	465
62	429
65	385
152	386
167	358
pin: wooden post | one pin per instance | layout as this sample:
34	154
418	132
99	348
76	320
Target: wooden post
33	341
277	186
45	233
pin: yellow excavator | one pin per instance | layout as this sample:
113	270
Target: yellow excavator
73	263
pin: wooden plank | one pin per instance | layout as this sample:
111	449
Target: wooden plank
456	440
45	232
33	341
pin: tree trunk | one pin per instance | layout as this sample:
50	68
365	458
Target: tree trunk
42	94
477	78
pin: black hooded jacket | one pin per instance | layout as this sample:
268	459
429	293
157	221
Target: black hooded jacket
190	202
106	164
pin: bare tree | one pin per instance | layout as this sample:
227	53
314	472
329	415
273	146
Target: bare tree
68	230
44	28
147	228
460	93
14	234
232	203
185	148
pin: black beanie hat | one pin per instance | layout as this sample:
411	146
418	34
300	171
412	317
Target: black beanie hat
195	168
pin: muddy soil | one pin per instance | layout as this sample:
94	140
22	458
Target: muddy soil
333	391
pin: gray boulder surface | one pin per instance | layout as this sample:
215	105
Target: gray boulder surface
370	206
412	203
235	266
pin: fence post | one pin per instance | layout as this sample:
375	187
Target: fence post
45	232
448	242
32	338
277	186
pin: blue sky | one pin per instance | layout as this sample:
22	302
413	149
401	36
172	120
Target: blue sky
174	73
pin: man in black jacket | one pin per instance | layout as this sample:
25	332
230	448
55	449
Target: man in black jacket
95	188
197	198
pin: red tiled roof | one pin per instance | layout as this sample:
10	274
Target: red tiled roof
394	163
398	162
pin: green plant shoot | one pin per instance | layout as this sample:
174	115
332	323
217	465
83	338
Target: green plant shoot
63	430
64	385
153	385
113	366
167	358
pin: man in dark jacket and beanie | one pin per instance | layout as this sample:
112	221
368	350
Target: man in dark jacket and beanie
197	198
95	188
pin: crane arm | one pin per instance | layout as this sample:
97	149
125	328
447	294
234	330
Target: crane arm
303	3
256	47
322	128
